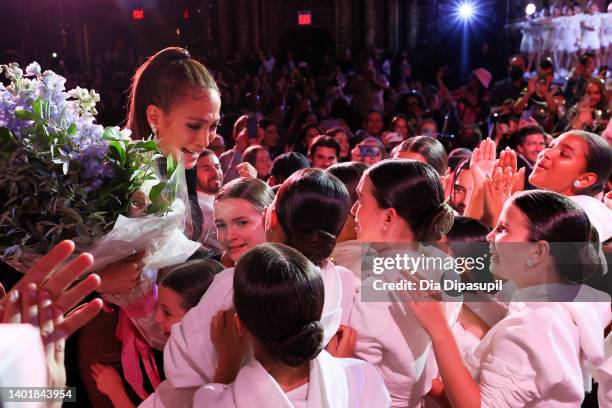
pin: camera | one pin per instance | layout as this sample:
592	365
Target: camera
369	151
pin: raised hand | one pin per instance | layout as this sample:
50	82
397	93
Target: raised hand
498	189
45	276
507	158
482	162
447	182
246	169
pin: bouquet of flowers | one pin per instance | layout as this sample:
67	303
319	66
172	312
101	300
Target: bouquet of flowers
63	176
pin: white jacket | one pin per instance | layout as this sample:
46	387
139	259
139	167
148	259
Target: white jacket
540	354
190	358
333	382
390	338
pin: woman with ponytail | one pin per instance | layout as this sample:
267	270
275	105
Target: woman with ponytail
279	298
307	214
175	100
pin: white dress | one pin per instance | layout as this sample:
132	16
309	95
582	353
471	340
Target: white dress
529	41
548	34
566	41
333	382
591	38
390	338
190	359
606	29
573	24
540	354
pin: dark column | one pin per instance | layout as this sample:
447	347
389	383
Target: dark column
343	13
392	24
370	23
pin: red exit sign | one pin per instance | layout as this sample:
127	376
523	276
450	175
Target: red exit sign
138	14
304	18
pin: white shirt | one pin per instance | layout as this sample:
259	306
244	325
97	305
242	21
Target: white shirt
333	382
390	338
190	359
538	356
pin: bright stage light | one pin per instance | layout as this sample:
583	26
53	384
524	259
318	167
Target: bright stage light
465	11
530	9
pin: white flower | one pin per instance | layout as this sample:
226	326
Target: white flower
33	69
54	82
13	71
125	134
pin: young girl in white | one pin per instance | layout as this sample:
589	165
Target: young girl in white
591	31
577	164
278	298
308	213
539	355
237	211
399	201
180	289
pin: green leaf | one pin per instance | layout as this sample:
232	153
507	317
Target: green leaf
119	148
72	129
150	145
37	108
111	134
156	191
24	114
46	110
170	165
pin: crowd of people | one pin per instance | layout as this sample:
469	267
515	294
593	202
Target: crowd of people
292	167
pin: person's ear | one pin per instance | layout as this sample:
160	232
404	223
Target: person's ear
585	180
273	219
154	115
540	252
264	217
389	217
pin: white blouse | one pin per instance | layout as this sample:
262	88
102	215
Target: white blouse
390	338
333	382
539	355
190	358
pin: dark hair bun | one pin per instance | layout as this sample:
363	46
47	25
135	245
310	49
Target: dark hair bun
302	345
316	245
436	225
581	262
